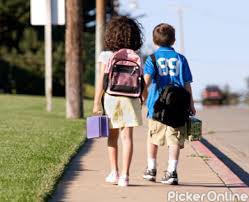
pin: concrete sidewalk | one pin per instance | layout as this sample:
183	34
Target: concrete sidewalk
84	179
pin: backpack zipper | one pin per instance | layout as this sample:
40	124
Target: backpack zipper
125	69
134	69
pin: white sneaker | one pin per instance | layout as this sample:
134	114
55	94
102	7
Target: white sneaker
112	177
123	181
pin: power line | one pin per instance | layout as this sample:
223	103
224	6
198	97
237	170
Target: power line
223	18
219	62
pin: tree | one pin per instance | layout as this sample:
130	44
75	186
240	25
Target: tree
74	69
22	49
247	83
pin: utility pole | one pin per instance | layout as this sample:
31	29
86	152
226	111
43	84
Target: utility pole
74	61
47	13
48	57
181	29
99	32
179	10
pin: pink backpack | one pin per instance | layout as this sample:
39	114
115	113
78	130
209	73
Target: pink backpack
124	74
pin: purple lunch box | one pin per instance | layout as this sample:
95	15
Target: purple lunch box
97	126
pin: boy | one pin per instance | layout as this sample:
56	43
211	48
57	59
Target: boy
170	71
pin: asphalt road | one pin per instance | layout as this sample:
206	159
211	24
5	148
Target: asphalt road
226	133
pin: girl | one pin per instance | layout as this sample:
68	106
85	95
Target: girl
124	112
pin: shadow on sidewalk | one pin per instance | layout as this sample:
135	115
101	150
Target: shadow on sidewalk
188	184
70	172
210	185
235	168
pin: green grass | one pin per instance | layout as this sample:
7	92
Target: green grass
35	146
88	91
204	157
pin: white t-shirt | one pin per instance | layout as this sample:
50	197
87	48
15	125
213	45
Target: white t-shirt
104	56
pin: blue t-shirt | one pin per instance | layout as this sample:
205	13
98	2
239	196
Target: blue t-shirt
172	67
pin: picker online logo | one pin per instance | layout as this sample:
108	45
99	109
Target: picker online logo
211	196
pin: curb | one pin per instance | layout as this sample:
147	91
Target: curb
228	177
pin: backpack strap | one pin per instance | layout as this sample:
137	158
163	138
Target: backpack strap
102	103
153	59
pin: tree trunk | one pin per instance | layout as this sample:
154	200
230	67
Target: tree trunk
99	32
74	62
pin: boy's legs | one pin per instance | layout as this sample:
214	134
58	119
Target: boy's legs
174	153
150	171
151	154
175	141
156	136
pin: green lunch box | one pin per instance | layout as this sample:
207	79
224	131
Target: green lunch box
194	129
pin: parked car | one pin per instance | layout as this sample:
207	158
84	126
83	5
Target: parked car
212	95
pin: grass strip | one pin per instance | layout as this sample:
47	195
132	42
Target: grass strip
35	145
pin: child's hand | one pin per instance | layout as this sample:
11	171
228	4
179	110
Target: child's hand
143	99
97	109
192	109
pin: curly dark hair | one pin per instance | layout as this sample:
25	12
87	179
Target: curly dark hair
123	32
164	35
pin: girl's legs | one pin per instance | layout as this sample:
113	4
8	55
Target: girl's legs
127	143
113	149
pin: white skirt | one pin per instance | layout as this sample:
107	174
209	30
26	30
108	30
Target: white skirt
123	111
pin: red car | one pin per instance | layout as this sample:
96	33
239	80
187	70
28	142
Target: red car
212	95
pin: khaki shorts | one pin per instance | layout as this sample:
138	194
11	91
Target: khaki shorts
158	132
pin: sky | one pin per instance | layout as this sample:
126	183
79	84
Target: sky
216	37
